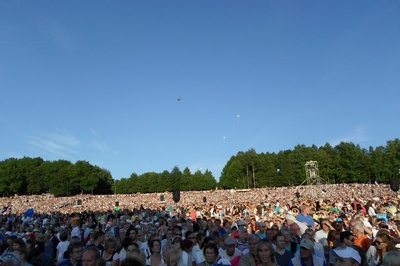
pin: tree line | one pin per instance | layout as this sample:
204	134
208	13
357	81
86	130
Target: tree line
343	163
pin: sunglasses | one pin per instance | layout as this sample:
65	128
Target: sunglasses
378	242
351	239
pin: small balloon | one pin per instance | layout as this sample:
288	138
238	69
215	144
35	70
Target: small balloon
29	212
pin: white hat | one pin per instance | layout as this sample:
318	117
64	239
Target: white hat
348	253
290	217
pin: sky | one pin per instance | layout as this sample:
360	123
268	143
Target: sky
144	86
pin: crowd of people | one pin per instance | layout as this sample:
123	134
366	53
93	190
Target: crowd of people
331	224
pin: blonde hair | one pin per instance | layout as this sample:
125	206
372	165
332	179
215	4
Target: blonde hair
172	255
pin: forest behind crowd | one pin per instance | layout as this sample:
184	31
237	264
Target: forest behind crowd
343	163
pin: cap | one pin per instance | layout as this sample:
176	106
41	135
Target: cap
229	241
10	258
129	221
306	243
348	253
240	223
261	224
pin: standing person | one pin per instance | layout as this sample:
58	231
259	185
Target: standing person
346	240
98	238
384	243
170	256
62	247
262	230
242	242
265	253
322	234
184	258
75	228
306	255
75	254
90	256
155	258
126	241
211	256
110	255
282	256
250	258
347	257
361	239
305	217
230	252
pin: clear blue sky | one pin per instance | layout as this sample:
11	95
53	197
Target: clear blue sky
99	80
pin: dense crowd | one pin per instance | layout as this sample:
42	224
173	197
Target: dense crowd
340	224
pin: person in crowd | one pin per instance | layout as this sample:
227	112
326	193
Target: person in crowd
391	258
306	255
75	250
230	252
282	256
90	256
110	254
305	217
10	259
211	256
361	239
250	258
126	242
155	259
242	241
383	243
184	258
265	253
170	256
347	257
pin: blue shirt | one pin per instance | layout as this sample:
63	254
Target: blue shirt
308	219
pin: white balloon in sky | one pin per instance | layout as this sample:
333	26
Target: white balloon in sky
238	116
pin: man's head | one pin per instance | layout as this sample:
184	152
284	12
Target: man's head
347	257
210	253
230	245
289	219
253	240
243	234
133	234
75	251
279	241
90	256
295	229
305	209
347	238
306	248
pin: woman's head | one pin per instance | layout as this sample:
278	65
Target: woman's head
155	246
171	256
265	251
384	242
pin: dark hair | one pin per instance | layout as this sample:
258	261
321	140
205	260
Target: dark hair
64	236
126	242
210	246
73	246
345	235
152	244
132	262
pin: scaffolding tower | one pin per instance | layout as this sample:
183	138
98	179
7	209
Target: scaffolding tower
313	180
